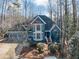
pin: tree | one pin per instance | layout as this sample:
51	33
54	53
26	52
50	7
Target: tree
74	46
74	16
66	20
50	8
3	11
2	18
14	11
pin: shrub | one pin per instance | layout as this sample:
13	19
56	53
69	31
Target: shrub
53	48
40	47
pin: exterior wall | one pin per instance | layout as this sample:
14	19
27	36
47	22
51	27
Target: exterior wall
55	35
47	34
31	34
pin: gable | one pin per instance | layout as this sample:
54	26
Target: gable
45	20
55	27
37	19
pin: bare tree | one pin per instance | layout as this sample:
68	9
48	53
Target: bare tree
66	23
3	11
26	6
66	27
74	16
50	8
61	24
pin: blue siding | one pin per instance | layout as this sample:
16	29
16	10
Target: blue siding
55	35
31	34
47	34
46	27
43	30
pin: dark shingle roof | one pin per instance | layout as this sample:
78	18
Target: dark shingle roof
49	22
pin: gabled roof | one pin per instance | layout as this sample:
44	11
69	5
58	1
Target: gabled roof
46	20
49	22
39	19
55	26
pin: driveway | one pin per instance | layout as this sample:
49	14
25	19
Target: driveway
7	50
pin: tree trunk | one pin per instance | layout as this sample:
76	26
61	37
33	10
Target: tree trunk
66	24
2	12
50	8
61	25
74	16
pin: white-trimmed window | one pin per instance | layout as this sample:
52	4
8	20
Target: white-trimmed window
38	27
38	34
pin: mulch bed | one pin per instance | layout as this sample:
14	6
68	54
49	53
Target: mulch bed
31	53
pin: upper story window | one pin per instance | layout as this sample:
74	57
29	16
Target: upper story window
38	27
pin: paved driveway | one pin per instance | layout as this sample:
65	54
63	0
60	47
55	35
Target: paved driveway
7	51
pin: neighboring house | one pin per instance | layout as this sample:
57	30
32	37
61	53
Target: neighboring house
18	32
41	29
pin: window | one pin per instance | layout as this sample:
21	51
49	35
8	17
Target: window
38	32
38	27
38	35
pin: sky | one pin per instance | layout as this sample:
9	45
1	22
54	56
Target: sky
43	4
39	6
54	3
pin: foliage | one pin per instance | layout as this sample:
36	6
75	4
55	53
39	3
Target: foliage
74	47
40	47
2	32
53	48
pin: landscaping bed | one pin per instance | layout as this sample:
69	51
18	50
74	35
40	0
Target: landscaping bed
33	52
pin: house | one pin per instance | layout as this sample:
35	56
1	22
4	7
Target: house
41	29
